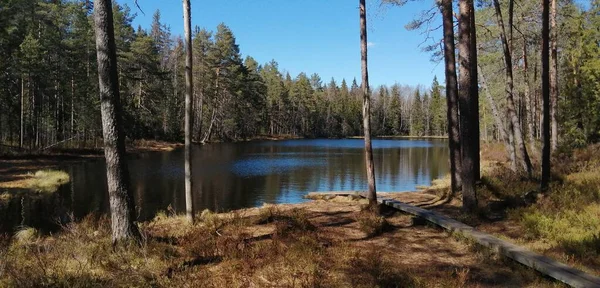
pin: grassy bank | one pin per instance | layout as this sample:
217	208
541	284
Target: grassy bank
32	184
18	169
563	224
330	243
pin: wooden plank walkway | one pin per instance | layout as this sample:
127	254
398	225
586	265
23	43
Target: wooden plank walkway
559	271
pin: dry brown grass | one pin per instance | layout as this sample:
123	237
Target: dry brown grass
143	145
315	244
563	224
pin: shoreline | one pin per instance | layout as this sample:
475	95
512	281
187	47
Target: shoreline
17	169
328	243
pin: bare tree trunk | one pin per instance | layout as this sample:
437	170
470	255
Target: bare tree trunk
22	111
553	77
210	126
451	96
510	147
465	105
545	96
515	127
474	121
72	128
189	90
121	199
529	104
372	194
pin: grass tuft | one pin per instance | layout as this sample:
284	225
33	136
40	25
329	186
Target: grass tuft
26	235
371	223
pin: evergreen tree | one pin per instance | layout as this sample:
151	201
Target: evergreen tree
417	116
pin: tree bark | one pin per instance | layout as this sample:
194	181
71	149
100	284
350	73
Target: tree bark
372	194
465	105
553	77
22	111
474	122
121	199
545	97
72	128
189	91
515	127
451	95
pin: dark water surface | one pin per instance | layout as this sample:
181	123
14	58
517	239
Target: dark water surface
237	175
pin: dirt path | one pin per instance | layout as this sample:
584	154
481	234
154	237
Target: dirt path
426	252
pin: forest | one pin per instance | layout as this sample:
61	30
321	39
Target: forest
519	105
50	81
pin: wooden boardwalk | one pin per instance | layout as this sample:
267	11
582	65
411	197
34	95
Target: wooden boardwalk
559	271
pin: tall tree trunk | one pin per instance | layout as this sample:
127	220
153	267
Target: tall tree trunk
22	111
553	76
545	96
72	107
474	122
372	194
451	96
121	199
510	147
465	105
529	104
189	87
515	127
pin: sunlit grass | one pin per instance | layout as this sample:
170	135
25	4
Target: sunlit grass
219	250
40	181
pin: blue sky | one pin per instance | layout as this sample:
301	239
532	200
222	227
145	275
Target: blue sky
313	36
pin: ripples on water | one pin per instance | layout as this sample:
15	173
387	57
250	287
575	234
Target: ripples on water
237	175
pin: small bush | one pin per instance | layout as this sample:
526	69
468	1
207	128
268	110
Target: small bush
371	223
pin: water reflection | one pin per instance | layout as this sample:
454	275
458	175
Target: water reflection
237	175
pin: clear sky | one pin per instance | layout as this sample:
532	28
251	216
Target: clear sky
313	36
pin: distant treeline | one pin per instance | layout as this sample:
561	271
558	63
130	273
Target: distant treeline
49	90
49	83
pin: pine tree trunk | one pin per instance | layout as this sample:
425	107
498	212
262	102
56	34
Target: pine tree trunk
474	121
72	107
545	96
189	87
465	105
22	112
451	96
121	199
553	77
515	127
372	194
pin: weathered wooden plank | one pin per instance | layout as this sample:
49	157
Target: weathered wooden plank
559	271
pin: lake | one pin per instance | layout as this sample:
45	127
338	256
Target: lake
247	174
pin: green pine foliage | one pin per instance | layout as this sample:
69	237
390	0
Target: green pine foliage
49	69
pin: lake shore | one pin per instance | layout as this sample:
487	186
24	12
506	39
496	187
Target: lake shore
17	169
321	242
326	243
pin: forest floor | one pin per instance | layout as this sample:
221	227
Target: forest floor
563	224
322	243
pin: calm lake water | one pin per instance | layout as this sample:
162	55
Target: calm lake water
237	175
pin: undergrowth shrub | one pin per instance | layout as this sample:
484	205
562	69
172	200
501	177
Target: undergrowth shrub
371	223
